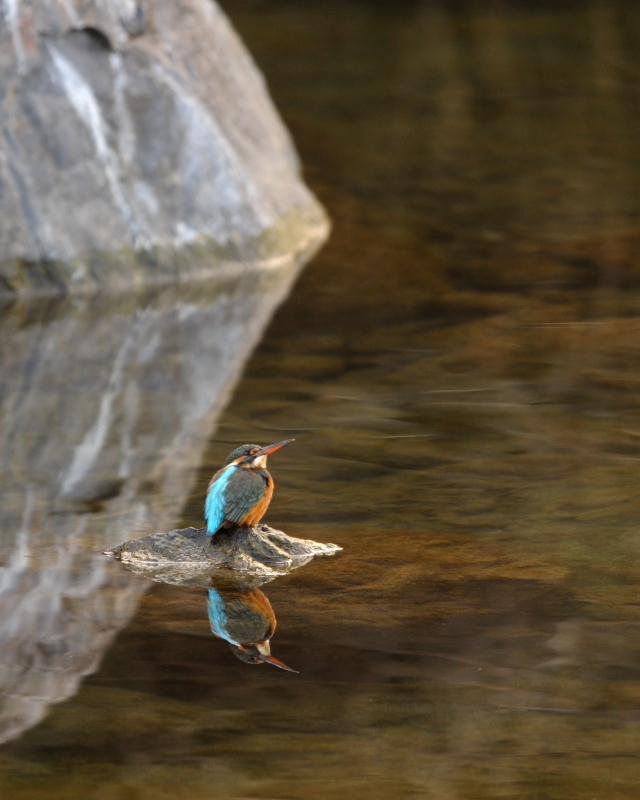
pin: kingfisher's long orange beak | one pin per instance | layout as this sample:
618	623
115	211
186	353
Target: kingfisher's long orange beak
271	448
275	661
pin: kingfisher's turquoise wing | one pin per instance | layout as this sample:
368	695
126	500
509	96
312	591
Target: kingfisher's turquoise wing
214	506
243	491
217	614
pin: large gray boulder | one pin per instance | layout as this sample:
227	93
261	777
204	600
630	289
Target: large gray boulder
138	143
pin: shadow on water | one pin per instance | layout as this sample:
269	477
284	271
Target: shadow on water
459	369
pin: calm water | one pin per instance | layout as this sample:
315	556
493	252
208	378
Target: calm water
460	369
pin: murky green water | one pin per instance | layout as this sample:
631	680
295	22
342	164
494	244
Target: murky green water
459	367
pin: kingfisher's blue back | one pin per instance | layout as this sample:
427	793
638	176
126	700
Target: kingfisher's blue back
214	506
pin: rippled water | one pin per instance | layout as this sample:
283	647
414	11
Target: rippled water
459	368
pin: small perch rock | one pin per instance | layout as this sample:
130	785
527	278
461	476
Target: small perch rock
188	555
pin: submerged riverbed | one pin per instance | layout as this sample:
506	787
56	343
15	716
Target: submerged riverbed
459	368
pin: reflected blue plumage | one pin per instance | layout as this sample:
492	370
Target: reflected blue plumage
217	615
246	621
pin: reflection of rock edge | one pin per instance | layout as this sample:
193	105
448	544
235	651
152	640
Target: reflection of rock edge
56	659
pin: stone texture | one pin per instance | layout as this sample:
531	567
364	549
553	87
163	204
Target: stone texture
138	143
192	557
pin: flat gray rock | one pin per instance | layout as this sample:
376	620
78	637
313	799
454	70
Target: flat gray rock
243	557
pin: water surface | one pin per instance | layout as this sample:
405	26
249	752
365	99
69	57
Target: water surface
459	368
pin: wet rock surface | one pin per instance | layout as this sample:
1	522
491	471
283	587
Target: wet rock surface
133	132
192	557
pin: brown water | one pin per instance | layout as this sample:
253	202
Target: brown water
460	370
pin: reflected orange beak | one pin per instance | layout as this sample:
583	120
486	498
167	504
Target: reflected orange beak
271	448
276	662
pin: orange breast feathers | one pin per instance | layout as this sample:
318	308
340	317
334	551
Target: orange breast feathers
258	601
255	514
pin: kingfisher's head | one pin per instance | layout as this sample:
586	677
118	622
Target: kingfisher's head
259	653
252	456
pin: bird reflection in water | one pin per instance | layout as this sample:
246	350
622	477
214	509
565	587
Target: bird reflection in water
246	620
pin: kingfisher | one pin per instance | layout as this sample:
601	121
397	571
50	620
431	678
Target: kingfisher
245	620
239	493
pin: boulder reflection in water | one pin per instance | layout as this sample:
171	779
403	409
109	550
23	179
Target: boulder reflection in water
104	410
